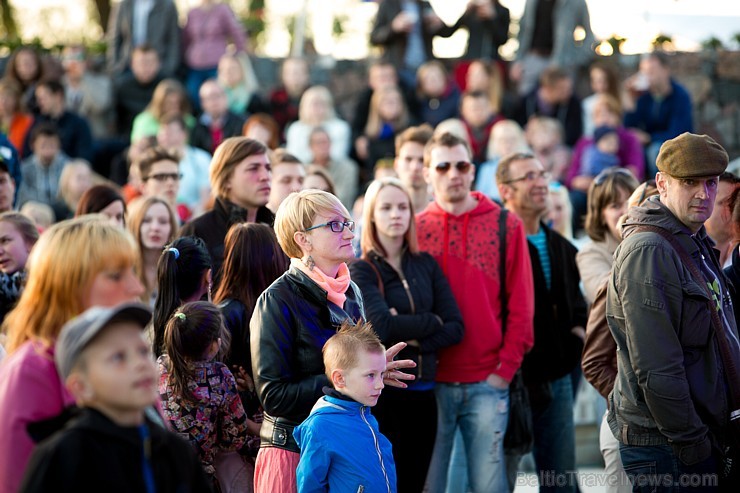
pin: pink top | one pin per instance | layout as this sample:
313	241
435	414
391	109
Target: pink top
30	390
206	34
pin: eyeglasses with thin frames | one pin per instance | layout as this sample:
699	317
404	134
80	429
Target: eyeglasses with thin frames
336	226
530	176
164	177
461	166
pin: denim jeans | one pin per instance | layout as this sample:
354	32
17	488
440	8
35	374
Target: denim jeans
657	469
554	441
481	413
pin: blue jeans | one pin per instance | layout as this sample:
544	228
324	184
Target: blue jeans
657	469
554	441
481	413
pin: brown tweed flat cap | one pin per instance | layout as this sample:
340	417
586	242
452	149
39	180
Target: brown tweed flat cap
690	155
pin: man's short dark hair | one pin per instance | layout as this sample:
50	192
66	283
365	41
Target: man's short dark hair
281	156
43	129
52	85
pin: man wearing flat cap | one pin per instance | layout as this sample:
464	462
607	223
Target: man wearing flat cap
670	312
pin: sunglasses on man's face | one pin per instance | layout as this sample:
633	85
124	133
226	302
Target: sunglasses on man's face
461	166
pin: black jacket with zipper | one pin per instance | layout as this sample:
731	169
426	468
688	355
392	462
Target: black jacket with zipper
290	324
426	309
94	454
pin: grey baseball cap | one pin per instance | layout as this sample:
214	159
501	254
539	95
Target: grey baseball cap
78	332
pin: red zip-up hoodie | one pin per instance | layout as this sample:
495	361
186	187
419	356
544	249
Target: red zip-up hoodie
467	248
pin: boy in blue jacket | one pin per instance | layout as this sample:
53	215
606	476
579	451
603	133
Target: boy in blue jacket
341	446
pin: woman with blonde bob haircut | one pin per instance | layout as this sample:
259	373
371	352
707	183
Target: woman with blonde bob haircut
292	320
407	299
75	265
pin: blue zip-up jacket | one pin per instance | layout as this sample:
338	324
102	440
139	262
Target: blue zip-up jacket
342	449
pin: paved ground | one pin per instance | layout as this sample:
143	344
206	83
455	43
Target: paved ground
590	480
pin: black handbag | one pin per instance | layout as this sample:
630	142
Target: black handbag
519	438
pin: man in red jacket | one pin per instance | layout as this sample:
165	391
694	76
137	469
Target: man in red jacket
460	229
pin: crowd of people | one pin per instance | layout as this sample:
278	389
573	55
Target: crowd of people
324	301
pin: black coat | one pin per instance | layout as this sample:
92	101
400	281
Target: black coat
435	321
200	136
569	114
291	322
212	227
94	454
556	350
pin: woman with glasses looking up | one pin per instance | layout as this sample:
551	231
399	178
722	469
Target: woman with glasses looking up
292	320
407	298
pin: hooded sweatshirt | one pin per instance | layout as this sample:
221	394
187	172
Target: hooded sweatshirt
467	248
342	449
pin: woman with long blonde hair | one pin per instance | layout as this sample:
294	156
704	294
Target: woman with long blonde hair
75	265
153	224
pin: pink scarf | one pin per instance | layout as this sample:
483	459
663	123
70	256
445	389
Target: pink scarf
334	287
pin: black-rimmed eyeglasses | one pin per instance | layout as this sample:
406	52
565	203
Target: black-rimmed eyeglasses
336	226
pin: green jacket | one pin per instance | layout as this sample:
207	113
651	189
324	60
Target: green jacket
670	387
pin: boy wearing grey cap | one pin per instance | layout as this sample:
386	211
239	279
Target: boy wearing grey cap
110	445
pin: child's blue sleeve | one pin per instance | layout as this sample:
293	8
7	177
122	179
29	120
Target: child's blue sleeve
312	474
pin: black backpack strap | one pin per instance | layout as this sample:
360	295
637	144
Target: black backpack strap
502	269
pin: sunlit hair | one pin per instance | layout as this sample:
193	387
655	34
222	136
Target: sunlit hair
23	225
165	88
61	269
369	240
138	211
609	102
501	131
189	334
264	120
318	94
252	261
611	185
343	349
65	180
375	121
454	126
297	213
419	135
446	139
227	156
